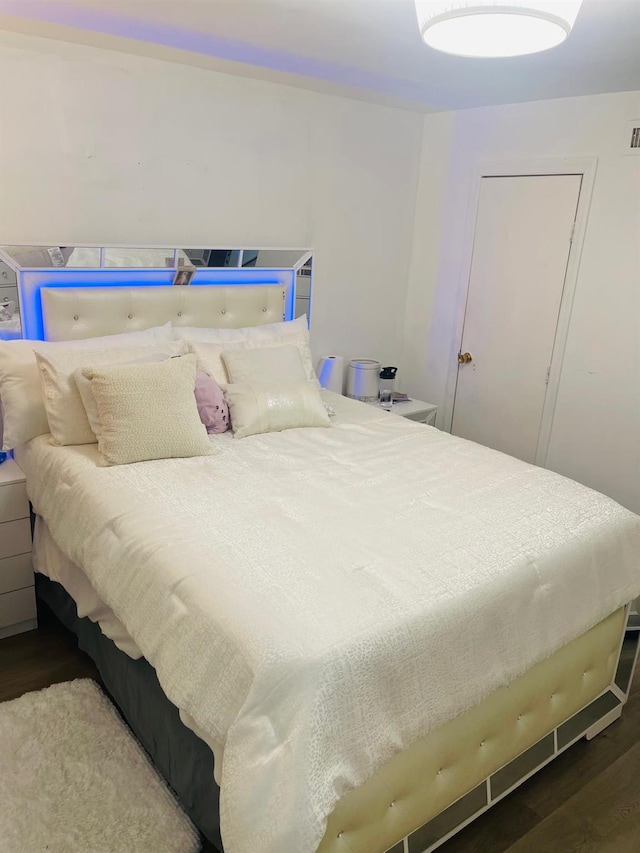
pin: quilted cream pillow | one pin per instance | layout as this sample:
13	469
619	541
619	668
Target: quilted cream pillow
25	416
86	394
259	334
66	414
210	356
274	407
264	364
148	411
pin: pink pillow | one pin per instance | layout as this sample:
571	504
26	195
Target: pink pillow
212	407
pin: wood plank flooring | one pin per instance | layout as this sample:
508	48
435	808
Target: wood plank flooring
586	801
37	659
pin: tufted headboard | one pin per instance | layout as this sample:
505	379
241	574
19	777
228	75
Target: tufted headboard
70	313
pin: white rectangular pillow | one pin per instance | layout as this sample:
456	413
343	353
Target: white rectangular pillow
148	411
86	394
209	353
66	414
23	406
264	364
274	407
195	334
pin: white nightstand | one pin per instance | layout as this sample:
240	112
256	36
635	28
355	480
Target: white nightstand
17	598
414	410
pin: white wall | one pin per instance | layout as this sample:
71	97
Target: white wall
108	147
596	429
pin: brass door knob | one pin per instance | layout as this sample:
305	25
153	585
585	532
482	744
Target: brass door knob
464	358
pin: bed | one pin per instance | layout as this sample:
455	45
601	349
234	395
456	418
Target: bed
410	626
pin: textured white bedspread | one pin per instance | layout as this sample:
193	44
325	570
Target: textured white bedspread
316	600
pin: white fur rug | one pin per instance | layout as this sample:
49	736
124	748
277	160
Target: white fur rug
73	779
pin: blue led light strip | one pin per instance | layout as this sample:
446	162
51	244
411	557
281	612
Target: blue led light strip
30	283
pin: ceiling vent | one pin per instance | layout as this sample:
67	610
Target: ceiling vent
632	138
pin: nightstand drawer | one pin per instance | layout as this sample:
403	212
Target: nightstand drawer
16	572
17	606
15	537
13	502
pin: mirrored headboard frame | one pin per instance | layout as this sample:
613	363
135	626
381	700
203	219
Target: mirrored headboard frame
122	256
124	266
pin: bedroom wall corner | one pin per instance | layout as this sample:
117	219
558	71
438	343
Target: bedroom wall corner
431	193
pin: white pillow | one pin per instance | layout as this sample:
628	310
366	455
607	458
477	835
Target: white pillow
24	416
148	411
66	415
274	407
209	355
264	364
86	394
294	332
83	385
23	406
195	334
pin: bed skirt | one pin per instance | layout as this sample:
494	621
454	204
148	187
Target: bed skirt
184	760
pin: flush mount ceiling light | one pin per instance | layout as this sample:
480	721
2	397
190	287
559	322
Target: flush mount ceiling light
484	28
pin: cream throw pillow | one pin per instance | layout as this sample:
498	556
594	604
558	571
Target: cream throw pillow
210	359
148	411
214	342
259	334
274	407
86	394
66	414
264	365
25	416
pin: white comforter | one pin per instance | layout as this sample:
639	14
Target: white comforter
316	600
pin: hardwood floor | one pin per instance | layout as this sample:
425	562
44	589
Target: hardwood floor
39	658
586	801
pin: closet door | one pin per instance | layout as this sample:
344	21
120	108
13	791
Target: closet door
522	241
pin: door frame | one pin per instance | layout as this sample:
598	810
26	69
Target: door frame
586	167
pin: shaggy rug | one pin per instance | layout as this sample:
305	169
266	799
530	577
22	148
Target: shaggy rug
73	779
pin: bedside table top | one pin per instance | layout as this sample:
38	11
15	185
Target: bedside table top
411	407
10	473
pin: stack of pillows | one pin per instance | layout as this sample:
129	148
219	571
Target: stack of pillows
159	393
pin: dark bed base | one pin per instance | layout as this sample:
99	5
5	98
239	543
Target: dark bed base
182	758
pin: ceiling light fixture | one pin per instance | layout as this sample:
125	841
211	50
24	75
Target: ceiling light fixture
483	28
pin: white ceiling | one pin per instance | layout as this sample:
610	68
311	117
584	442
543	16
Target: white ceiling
368	48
